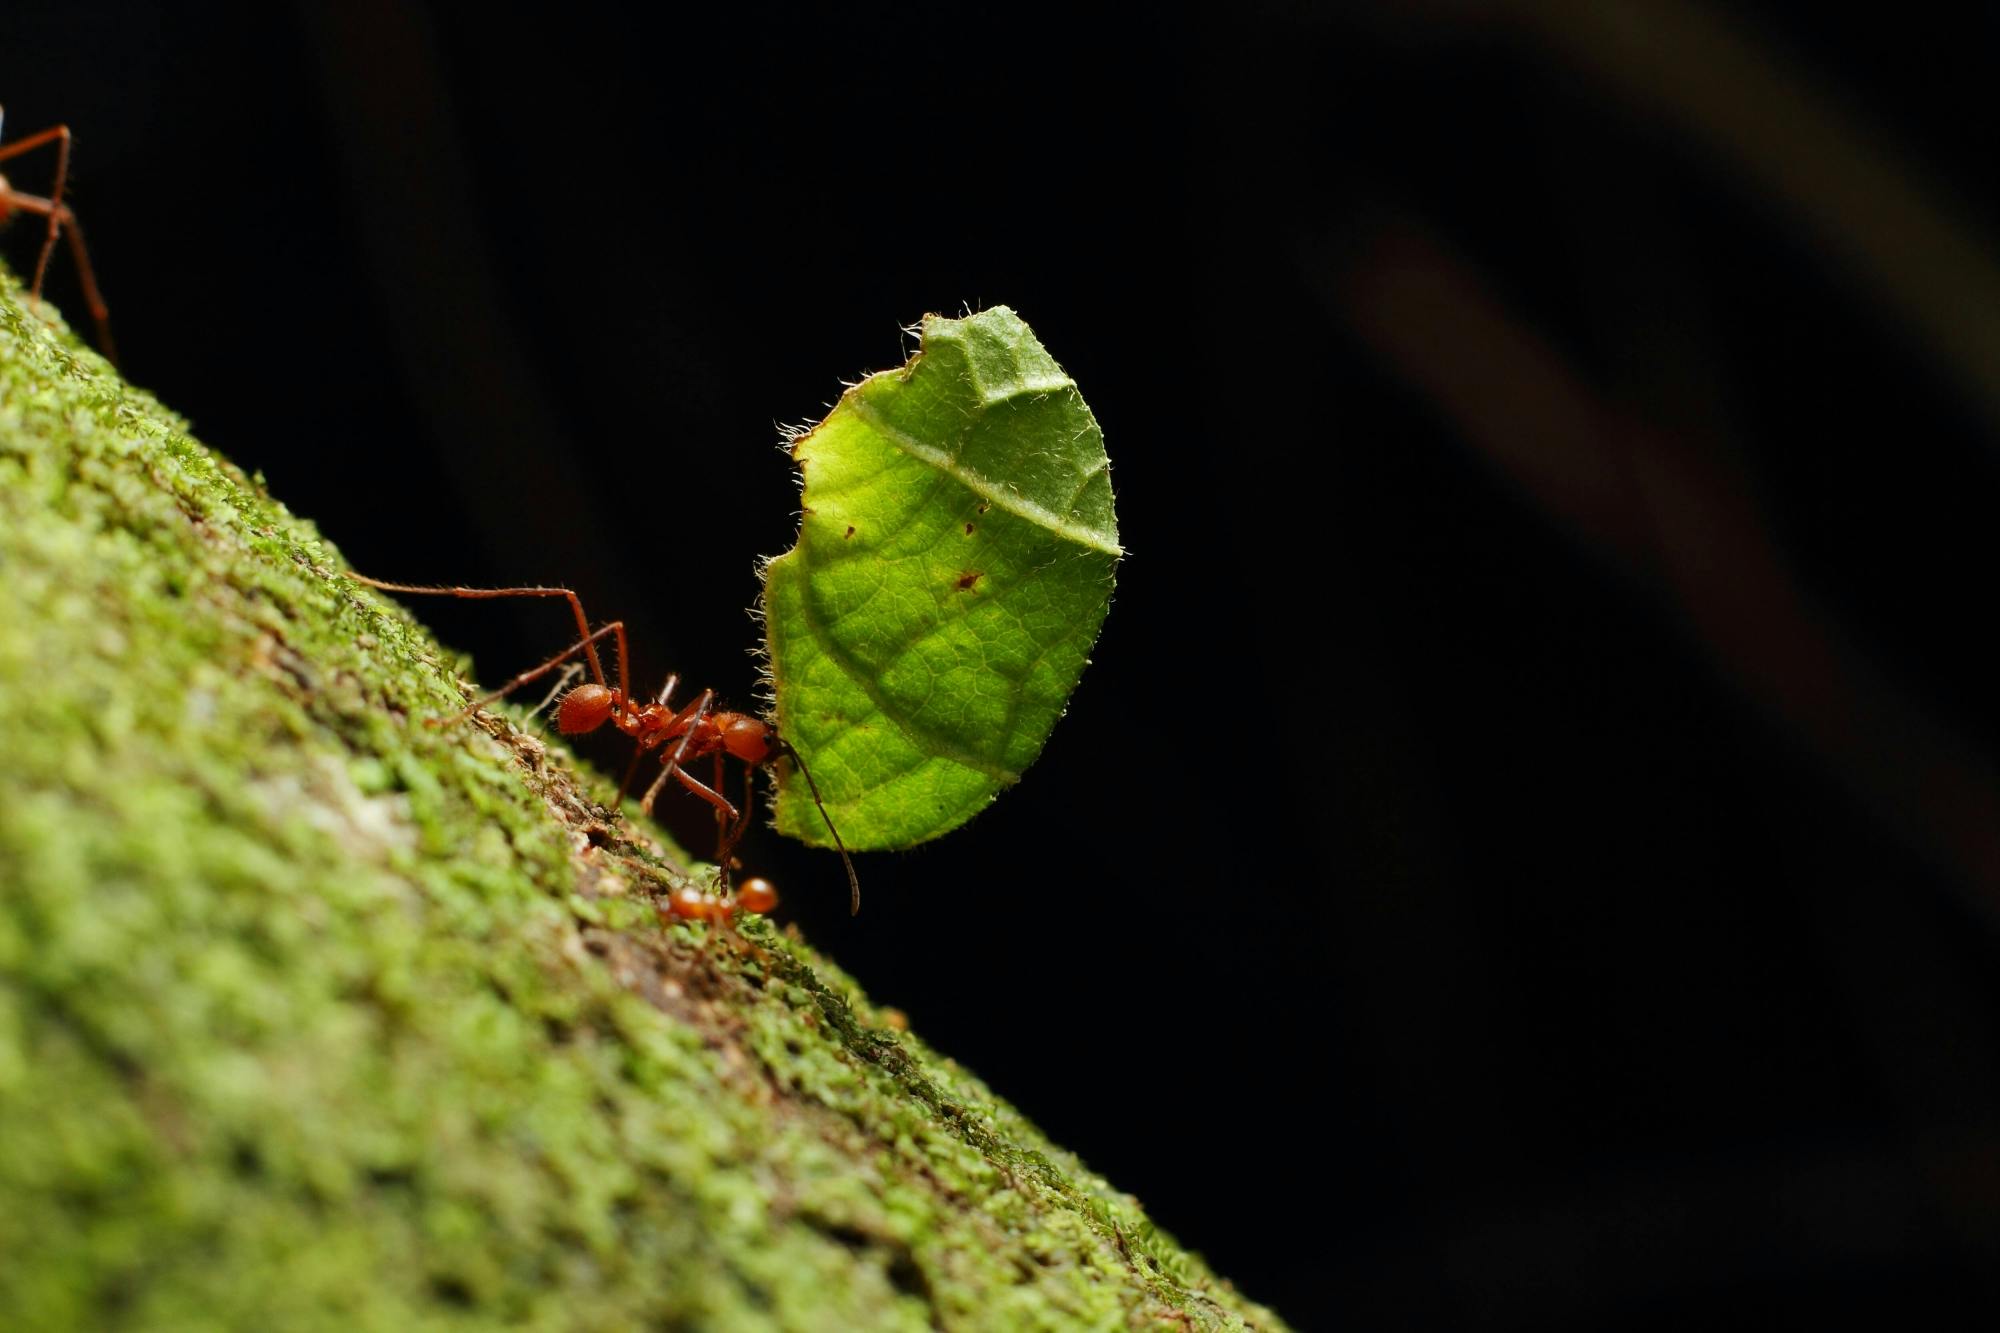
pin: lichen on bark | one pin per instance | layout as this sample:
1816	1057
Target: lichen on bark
313	1016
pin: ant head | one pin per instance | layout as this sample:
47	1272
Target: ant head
585	708
746	737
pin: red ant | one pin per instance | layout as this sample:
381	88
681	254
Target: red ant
687	735
58	213
688	903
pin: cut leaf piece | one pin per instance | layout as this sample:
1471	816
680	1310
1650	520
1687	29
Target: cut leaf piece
955	561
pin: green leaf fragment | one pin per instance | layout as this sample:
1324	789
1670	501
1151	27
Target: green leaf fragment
954	563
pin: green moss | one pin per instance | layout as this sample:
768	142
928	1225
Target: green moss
311	1015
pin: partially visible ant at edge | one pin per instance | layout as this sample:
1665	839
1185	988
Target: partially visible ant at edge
698	731
60	218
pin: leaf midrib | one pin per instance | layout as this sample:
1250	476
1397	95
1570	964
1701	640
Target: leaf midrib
994	494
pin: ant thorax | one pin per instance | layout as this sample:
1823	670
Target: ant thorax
647	723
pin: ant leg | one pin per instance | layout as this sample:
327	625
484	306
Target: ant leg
727	849
699	788
575	606
625	783
60	215
100	314
615	627
730	825
724	903
721	824
57	214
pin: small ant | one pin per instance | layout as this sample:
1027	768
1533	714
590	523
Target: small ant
687	735
58	213
688	903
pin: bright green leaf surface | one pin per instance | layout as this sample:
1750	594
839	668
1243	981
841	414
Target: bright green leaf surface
954	564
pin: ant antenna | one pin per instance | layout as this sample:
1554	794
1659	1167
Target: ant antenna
570	671
853	880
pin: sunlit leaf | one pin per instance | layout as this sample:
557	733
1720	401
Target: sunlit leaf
954	563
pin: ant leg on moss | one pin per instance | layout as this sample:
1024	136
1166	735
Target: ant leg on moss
59	216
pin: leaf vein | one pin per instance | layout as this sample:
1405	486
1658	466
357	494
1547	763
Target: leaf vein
925	741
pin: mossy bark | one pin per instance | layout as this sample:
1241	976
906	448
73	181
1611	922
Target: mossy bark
313	1016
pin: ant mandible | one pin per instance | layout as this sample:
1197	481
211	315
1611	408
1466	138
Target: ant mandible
692	733
59	216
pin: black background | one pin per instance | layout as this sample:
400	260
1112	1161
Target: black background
1524	851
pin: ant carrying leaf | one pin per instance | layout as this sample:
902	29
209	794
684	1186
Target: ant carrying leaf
682	737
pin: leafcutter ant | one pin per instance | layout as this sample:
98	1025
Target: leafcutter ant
689	903
60	218
683	737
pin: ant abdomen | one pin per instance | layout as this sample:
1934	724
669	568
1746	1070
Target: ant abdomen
585	708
